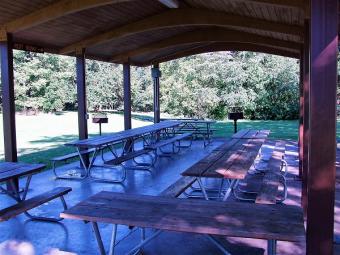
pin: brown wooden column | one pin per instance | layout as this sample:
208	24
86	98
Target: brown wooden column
156	74
8	103
127	96
322	129
306	113
81	94
300	141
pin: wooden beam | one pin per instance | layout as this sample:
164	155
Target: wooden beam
214	47
322	129
183	18
170	3
206	36
53	11
301	4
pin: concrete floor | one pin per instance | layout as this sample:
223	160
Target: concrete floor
77	237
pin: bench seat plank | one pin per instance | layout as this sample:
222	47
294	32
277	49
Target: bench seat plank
271	180
194	216
168	141
12	211
72	155
178	187
127	157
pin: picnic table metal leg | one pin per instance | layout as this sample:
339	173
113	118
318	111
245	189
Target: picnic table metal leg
113	239
271	249
202	188
218	244
98	238
232	185
147	240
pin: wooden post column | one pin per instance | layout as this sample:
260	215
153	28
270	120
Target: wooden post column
322	129
156	74
81	94
8	102
127	96
306	113
300	142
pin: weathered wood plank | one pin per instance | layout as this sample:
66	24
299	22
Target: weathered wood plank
123	135
178	187
271	180
193	216
10	170
31	203
237	162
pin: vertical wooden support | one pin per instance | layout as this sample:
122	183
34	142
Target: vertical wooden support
306	113
300	141
127	96
81	94
322	129
8	103
156	74
127	103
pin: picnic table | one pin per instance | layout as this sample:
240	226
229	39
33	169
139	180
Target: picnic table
126	137
10	172
197	126
210	218
230	161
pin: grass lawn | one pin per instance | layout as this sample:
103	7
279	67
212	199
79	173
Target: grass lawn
42	137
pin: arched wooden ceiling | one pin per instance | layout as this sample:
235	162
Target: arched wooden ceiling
146	31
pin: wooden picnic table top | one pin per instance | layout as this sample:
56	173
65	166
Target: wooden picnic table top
10	170
231	160
98	141
194	216
199	121
251	134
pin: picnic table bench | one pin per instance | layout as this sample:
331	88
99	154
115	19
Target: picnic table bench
127	137
210	218
230	161
264	183
9	171
198	128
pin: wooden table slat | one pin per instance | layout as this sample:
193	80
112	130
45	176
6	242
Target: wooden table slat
193	216
9	170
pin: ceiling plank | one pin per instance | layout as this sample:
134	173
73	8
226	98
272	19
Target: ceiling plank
224	46
53	11
184	17
205	36
301	4
170	3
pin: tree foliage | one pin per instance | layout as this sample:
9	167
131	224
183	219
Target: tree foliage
208	85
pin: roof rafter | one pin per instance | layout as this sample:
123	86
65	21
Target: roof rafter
206	35
224	46
302	4
184	17
53	11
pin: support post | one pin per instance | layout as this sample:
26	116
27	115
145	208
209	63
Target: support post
322	144
156	74
81	97
300	141
306	113
127	103
8	101
127	96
